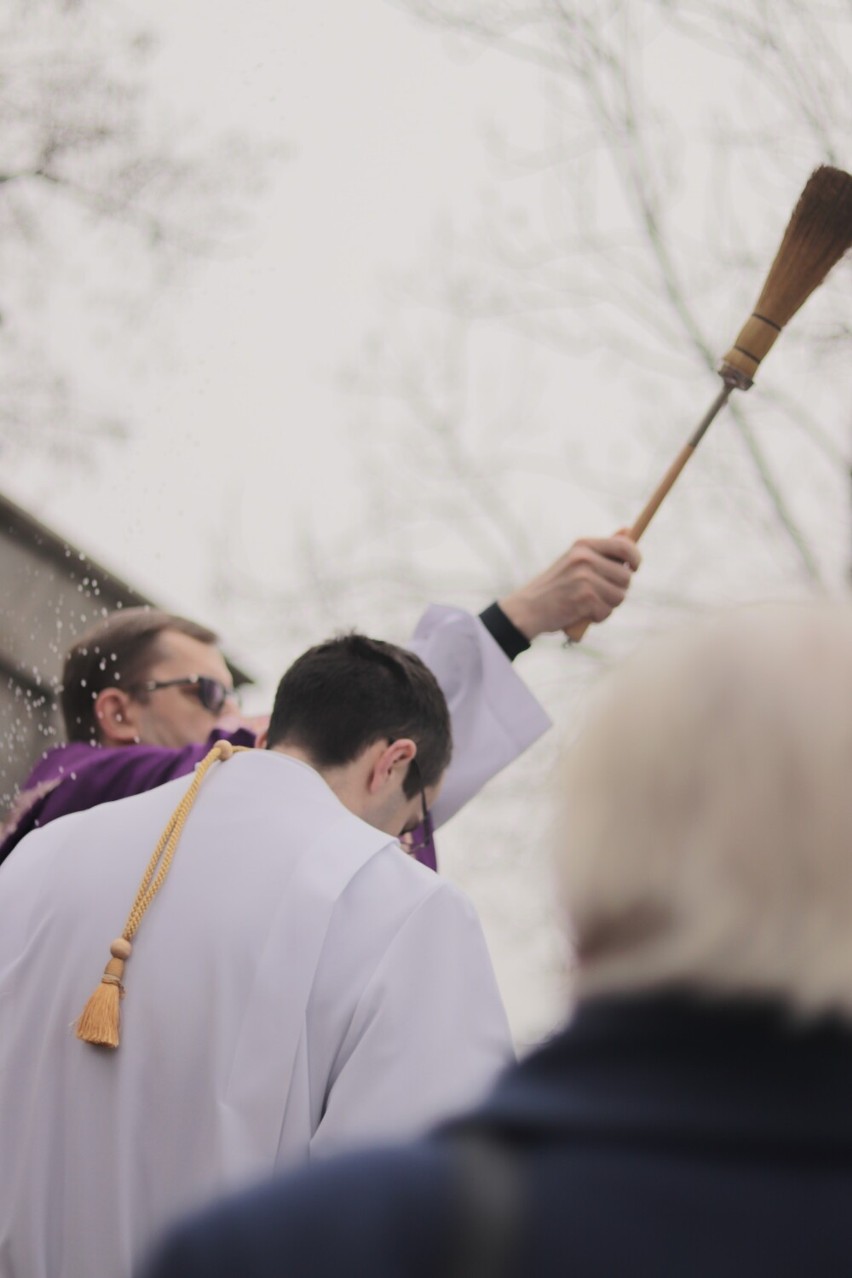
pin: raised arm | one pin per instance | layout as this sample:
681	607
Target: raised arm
495	717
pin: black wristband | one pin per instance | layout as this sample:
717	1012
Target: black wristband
503	631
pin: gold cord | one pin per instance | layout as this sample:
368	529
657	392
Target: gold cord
99	1022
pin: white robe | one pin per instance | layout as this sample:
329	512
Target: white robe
494	715
361	1006
299	984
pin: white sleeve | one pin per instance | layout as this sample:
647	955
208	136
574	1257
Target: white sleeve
429	1034
494	715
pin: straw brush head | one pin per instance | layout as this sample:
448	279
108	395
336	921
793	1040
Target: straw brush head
818	234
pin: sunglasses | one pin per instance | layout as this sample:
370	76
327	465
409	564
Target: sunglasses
210	692
420	841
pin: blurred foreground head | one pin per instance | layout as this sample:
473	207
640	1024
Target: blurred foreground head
706	814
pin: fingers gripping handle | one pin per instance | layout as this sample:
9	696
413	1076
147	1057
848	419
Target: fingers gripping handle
575	633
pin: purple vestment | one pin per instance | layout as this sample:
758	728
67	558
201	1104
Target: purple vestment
78	775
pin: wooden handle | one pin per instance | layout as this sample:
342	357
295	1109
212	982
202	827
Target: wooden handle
654	502
575	633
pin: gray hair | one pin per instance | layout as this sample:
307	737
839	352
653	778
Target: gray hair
706	814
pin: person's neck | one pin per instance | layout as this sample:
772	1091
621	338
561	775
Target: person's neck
346	782
295	752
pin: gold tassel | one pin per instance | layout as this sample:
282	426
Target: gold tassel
101	1017
99	1023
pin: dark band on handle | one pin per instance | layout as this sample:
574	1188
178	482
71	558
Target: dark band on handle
754	340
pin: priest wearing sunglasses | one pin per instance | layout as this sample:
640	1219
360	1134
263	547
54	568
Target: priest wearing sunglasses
145	694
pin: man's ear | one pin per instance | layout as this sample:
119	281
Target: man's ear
390	761
114	715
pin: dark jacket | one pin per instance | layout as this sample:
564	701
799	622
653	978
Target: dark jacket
662	1137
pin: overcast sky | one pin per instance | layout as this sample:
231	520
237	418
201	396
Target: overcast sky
229	378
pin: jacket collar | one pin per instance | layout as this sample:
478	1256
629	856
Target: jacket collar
736	1075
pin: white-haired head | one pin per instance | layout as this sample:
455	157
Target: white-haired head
706	814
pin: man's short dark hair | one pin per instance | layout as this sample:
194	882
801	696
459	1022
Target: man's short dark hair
342	696
118	652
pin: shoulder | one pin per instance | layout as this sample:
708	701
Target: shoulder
382	1204
78	775
400	893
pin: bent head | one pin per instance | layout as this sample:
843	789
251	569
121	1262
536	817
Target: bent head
706	831
144	676
371	718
